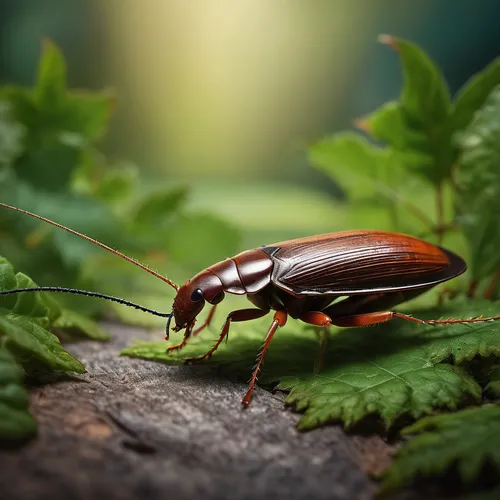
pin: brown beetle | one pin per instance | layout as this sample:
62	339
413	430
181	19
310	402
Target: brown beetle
346	279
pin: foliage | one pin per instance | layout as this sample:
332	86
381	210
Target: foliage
441	444
26	346
50	164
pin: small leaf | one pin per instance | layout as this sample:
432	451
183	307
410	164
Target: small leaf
418	126
51	79
478	202
473	95
29	341
72	320
467	439
15	419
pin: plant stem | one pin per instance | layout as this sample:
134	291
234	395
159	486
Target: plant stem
491	285
440	213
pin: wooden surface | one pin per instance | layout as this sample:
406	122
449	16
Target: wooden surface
137	429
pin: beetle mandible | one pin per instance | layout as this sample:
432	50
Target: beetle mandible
346	279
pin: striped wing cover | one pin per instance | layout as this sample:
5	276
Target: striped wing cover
360	261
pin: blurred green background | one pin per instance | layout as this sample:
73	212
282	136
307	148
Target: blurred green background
226	95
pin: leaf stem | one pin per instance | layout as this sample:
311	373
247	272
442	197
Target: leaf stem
491	285
440	214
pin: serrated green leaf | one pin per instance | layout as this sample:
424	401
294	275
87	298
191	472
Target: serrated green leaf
15	419
478	202
418	125
473	95
441	443
30	342
390	370
72	320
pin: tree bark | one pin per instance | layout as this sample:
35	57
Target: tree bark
136	429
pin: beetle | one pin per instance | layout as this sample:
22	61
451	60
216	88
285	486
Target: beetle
346	279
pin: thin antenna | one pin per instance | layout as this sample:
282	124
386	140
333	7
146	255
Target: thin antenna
88	294
98	243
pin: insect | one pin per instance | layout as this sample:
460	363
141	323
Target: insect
346	279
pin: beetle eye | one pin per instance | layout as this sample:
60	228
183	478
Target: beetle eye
197	295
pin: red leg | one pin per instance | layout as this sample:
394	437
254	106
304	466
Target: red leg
241	315
178	347
384	316
279	320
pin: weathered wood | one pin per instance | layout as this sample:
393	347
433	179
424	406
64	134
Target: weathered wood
136	429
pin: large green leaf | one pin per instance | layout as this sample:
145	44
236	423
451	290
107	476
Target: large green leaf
15	419
469	440
418	125
478	200
31	343
389	370
473	94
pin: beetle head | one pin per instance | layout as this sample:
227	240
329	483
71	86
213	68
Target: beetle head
191	297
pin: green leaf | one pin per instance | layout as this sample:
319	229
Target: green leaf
60	125
466	439
389	370
11	135
155	210
51	79
418	125
15	419
30	342
478	201
473	94
373	176
72	320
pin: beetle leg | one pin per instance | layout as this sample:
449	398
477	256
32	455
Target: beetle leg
280	318
178	347
207	321
365	319
449	321
384	316
241	315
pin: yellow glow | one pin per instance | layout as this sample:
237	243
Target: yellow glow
227	84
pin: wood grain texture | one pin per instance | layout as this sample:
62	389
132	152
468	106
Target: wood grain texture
360	261
133	429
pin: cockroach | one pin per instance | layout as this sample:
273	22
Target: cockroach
346	279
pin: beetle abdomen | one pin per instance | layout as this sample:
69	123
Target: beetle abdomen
360	262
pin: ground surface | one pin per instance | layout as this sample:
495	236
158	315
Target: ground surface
137	429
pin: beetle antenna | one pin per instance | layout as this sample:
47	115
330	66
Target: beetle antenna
76	291
95	242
